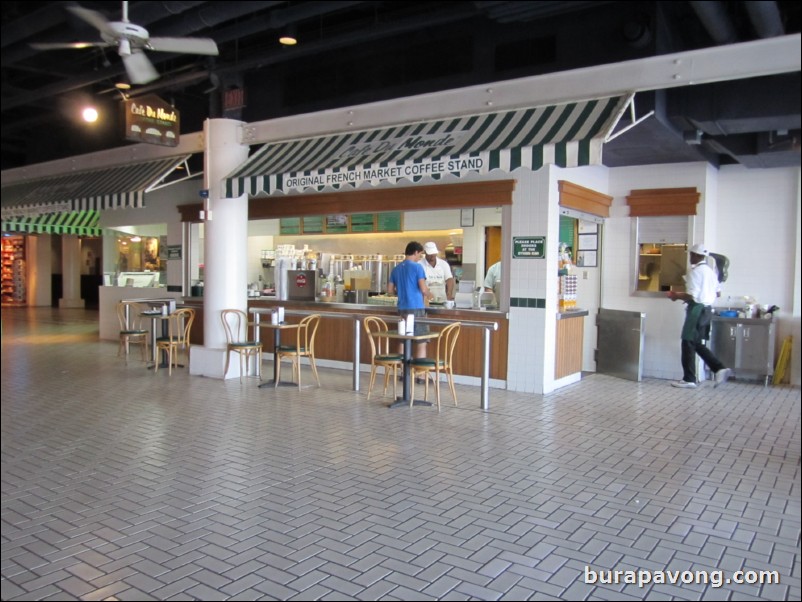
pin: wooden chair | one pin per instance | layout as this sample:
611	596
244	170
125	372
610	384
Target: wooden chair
133	328
235	323
442	363
179	324
380	354
304	347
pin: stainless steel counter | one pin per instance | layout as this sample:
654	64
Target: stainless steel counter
576	313
370	307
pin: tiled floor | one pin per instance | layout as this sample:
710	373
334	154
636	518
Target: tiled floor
118	483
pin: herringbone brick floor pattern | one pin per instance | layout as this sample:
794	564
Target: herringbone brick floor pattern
122	484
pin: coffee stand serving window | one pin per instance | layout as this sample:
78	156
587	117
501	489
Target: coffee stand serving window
661	231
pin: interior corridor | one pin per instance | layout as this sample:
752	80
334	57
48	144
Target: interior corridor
119	483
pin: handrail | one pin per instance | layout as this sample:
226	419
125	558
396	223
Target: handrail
484	402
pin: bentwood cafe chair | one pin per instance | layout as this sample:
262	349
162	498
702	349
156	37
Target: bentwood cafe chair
179	325
133	328
380	355
235	323
304	347
441	364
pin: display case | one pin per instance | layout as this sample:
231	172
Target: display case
138	279
13	270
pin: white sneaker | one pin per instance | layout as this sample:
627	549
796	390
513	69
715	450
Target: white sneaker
684	384
721	377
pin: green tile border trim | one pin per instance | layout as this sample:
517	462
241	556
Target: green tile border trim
532	303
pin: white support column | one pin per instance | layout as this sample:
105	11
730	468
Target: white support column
70	272
225	247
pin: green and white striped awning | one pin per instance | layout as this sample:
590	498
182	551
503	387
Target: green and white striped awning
82	223
89	190
568	135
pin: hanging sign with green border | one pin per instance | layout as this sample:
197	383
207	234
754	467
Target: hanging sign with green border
528	247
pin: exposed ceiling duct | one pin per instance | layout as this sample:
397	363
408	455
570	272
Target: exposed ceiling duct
352	52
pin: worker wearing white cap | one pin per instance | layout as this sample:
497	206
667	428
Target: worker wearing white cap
439	277
701	290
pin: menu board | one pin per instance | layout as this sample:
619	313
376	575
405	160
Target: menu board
337	224
342	223
389	222
313	224
362	222
290	225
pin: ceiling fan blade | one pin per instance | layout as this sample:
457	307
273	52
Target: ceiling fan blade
63	45
94	18
184	45
140	70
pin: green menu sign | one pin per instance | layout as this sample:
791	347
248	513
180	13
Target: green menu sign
529	247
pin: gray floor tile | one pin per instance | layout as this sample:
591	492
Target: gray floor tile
118	483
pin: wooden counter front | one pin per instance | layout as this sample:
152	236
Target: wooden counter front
335	337
570	334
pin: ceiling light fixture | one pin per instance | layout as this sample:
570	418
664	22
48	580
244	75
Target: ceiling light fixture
287	37
89	114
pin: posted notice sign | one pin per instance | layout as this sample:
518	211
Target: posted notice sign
529	247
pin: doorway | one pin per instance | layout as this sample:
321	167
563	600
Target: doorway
492	246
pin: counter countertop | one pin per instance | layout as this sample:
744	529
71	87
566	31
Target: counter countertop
574	313
322	306
717	318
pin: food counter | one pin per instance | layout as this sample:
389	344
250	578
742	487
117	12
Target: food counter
335	338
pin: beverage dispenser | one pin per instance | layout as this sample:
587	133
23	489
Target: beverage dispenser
388	265
375	265
340	263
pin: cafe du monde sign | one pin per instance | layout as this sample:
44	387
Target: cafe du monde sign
149	119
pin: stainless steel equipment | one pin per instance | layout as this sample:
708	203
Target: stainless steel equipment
746	345
388	266
619	349
340	263
375	265
301	285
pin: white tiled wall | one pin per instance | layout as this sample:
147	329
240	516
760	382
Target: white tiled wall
528	362
750	215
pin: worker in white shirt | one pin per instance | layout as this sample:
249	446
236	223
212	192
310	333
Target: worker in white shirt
702	288
439	278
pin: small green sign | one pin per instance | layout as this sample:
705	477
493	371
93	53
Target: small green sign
362	222
389	222
529	247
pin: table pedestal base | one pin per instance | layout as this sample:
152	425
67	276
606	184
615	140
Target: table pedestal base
405	402
272	383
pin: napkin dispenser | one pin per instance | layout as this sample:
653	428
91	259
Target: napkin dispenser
463	300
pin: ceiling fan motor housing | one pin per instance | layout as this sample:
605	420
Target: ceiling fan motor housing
138	36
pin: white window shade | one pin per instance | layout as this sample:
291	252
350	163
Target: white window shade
663	230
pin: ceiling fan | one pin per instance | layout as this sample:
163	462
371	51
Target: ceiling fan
131	41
